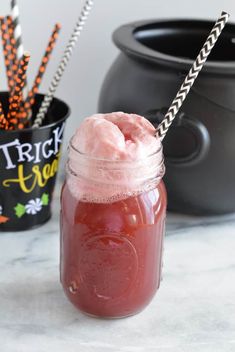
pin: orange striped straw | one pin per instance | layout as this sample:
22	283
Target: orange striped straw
16	99
26	108
12	43
7	53
4	124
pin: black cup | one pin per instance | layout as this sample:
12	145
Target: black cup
29	161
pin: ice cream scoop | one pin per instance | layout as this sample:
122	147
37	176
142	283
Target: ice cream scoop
116	136
113	156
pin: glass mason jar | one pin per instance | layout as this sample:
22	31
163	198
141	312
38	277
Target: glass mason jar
112	228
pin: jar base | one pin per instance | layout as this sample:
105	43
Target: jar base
110	317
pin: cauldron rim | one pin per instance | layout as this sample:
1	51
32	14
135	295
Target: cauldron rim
125	39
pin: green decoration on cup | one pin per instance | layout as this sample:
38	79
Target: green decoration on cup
33	206
20	210
45	199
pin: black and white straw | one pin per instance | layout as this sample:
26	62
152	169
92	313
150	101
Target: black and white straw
18	35
192	75
63	63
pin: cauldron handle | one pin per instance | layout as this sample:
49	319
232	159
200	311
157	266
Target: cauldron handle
187	141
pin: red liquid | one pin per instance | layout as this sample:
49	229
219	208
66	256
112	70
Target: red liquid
111	253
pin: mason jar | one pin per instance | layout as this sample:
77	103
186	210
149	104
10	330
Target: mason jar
112	229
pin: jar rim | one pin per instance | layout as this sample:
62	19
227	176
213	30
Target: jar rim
118	177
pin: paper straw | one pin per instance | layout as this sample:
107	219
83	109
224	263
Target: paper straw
63	63
3	121
16	99
45	59
18	35
7	53
12	43
192	75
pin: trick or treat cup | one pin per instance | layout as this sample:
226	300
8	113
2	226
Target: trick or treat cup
29	161
112	221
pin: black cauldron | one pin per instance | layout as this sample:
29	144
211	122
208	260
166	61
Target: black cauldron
200	146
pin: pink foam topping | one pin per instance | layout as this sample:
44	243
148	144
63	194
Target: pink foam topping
115	137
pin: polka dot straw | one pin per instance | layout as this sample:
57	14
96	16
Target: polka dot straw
7	53
3	121
16	99
12	43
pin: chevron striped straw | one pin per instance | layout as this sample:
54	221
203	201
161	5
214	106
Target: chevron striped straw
192	75
18	36
63	63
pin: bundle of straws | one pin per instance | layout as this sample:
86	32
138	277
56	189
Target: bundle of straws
21	99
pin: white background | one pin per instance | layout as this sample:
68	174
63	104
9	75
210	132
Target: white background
95	51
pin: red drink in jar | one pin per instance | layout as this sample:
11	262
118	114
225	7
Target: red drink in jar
112	228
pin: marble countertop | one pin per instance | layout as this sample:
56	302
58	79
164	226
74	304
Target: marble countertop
194	310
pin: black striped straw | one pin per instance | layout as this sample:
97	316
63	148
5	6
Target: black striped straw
63	63
192	75
18	36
